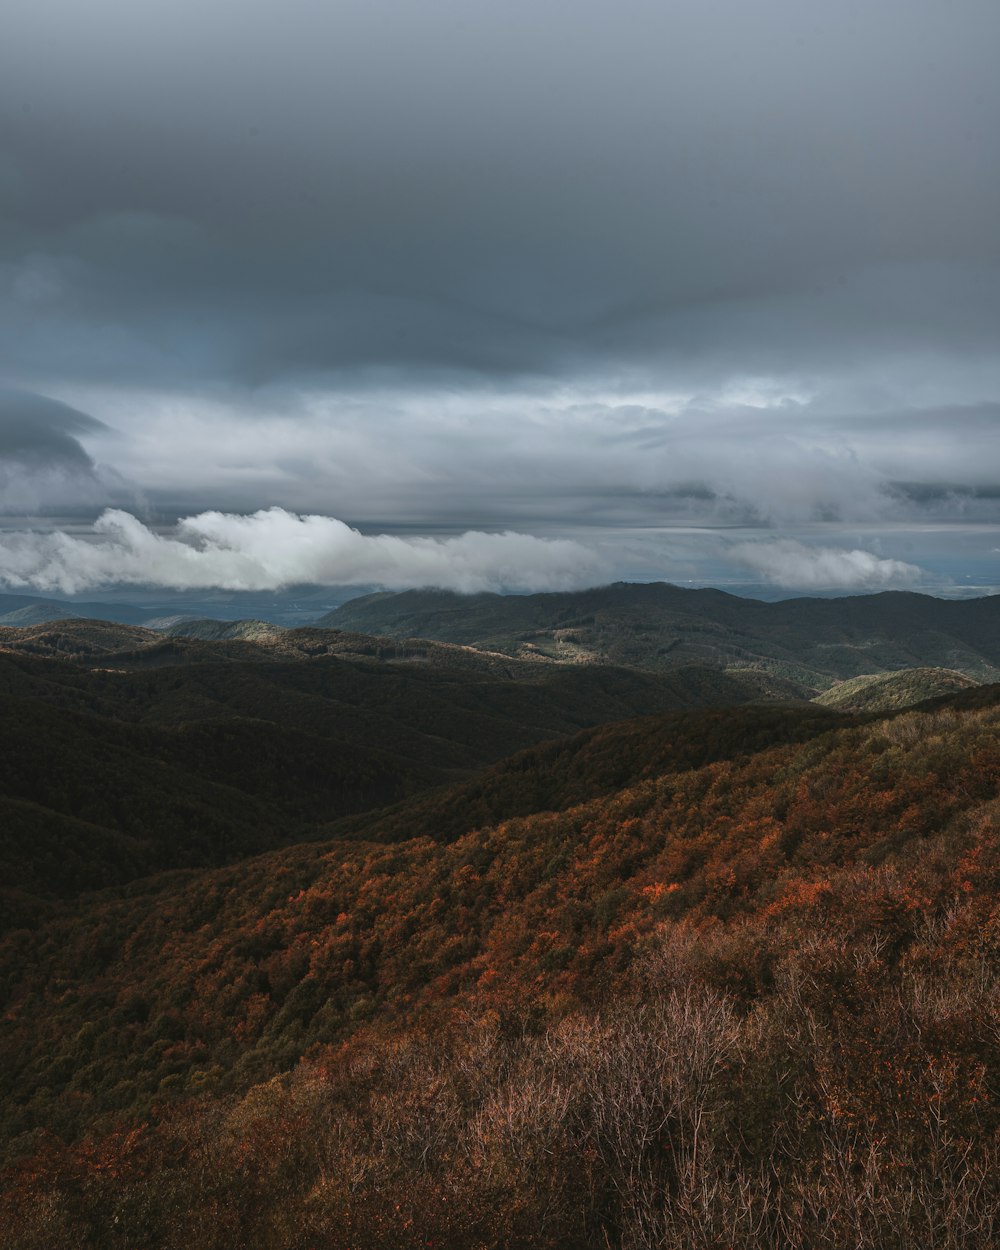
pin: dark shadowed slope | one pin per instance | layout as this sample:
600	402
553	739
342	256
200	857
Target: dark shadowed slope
150	753
561	774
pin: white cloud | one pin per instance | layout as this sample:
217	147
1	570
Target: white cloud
272	549
786	562
486	459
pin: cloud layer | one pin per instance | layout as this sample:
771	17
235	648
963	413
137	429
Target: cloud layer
765	452
275	549
786	562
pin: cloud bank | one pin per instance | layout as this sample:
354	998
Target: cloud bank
786	562
273	549
767	453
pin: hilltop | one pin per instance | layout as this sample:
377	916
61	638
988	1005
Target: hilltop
883	692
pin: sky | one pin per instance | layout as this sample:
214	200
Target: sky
517	296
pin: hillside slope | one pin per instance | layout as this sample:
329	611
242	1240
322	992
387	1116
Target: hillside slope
718	977
766	983
148	753
565	773
885	692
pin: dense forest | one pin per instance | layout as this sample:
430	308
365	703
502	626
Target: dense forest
587	965
126	752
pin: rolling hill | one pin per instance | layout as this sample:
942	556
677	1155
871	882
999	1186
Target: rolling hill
224	631
656	626
883	692
19	610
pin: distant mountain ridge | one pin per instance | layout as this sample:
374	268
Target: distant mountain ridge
658	626
94	642
17	610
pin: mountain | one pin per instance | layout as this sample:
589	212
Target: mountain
90	643
77	639
882	692
656	626
310	937
741	991
35	614
20	610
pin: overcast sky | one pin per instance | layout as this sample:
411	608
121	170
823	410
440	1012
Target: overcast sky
699	289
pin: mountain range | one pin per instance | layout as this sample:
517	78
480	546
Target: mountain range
319	938
657	626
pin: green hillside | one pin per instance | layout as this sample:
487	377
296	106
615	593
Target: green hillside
884	692
224	631
73	638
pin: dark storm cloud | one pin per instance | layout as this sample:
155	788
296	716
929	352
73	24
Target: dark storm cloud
264	190
43	464
479	264
37	431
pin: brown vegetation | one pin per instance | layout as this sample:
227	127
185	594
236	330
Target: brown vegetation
754	1003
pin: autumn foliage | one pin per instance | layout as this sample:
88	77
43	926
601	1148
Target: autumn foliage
747	1000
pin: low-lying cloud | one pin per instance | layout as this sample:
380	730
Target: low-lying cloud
273	549
786	562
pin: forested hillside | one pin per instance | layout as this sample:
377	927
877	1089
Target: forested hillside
886	692
707	980
146	753
812	642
